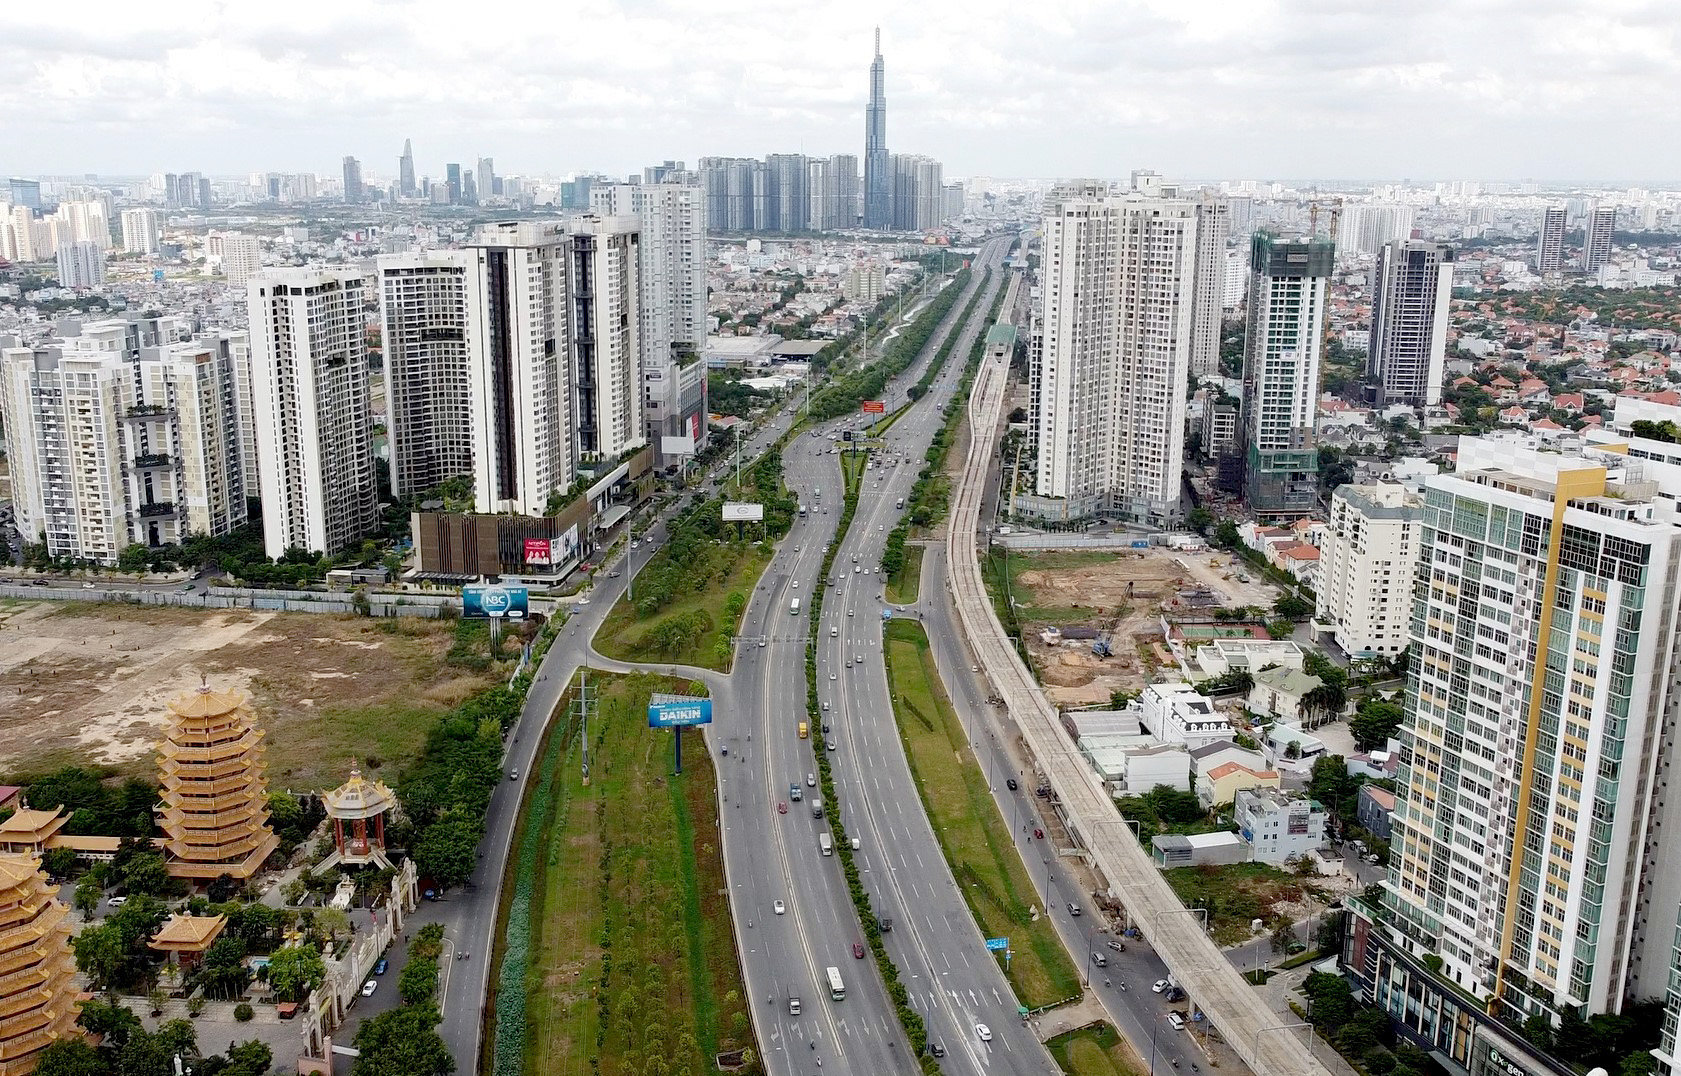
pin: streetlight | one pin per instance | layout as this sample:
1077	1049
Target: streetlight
1283	1027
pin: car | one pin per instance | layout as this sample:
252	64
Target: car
781	807
882	527
849	612
1039	835
825	707
87	586
116	902
1176	1020
763	642
636	545
1174	993
974	668
830	744
1010	783
1073	909
811	780
44	583
825	728
936	1049
1293	948
796	584
831	676
856	568
779	907
369	987
983	1032
513	775
584	600
612	575
878	571
858	950
382	967
1159	985
186	588
1119	947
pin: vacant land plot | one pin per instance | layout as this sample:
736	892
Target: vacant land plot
1120	593
619	956
87	683
1097	1050
975	839
1239	893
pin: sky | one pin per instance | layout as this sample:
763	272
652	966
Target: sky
1552	90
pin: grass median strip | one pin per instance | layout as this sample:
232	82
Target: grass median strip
1094	1050
975	839
906	583
618	952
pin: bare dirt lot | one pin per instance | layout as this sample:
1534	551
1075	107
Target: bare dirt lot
87	684
1122	592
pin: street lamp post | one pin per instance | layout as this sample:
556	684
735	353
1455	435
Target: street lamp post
1284	1027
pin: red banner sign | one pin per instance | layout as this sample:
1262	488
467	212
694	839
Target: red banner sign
873	407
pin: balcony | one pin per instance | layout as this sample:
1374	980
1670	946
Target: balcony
145	412
157	508
152	459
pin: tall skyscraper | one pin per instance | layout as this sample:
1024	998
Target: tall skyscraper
918	191
141	234
469	188
878	179
405	171
80	265
1549	257
1110	371
790	200
1281	371
1597	227
352	181
489	185
1411	287
428	411
517	312
1213	227
25	193
452	178
603	253
309	370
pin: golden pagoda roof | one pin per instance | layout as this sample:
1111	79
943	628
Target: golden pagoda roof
16	870
359	798
188	933
205	702
29	821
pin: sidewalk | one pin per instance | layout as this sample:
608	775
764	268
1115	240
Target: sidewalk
1065	1018
1279	992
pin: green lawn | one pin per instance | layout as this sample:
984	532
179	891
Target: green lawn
617	951
852	465
734	569
904	585
1095	1050
974	838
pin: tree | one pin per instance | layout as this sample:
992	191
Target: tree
1199	519
177	1037
134	558
1332	997
448	850
70	1057
1375	723
1330	784
1639	1063
296	970
1293	606
147	874
101	955
418	983
87	897
334	921
1226	535
59	862
1539	1031
1283	936
223	888
402	1042
251	1058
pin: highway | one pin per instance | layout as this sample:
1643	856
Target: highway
1217	988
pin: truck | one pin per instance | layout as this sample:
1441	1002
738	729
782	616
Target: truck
794	607
837	989
826	843
817	806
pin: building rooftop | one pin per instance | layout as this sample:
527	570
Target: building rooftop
1290	681
188	933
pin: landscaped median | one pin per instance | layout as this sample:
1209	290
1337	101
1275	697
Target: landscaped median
975	839
616	953
1094	1050
904	585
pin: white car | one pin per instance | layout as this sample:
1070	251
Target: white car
983	1032
779	907
1176	1020
369	987
831	676
1160	985
796	584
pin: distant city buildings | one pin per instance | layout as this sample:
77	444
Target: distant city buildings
878	182
1411	287
1597	228
1282	345
141	231
81	265
1549	256
405	171
352	181
310	395
238	254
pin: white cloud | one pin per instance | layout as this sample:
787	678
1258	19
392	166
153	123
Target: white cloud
1561	89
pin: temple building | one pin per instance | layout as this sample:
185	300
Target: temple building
358	809
38	1001
214	811
184	939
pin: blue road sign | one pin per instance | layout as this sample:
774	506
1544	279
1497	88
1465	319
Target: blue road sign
998	945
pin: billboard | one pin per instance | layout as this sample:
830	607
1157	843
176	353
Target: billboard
487	601
737	512
872	407
673	711
677	446
538	551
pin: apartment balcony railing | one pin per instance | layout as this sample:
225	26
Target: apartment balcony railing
158	508
152	459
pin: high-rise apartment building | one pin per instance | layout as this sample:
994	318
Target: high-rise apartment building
840	193
84	222
452	181
1213	227
603	255
489	185
25	193
790	197
428	410
518	304
1110	371
1549	255
310	395
141	231
918	192
1530	863
1367	559
1597	229
182	444
17	235
878	179
238	253
1287	285
1411	287
81	265
1366	228
405	171
352	181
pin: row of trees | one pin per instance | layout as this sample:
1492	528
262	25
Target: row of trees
404	1041
126	1048
843	394
446	791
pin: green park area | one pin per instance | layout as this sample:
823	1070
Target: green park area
1094	1050
975	838
617	954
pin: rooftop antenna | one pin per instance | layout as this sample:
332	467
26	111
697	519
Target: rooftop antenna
878	41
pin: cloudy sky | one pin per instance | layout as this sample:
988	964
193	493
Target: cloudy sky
1567	90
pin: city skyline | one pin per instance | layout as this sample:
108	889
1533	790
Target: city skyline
990	93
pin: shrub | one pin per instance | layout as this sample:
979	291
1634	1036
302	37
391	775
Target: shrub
243	1012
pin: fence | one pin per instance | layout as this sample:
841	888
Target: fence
290	601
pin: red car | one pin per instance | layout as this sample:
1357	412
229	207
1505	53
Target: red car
858	950
1039	833
781	808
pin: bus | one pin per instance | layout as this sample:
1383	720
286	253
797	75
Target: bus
794	607
837	989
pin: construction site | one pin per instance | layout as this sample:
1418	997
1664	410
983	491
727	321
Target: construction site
1091	618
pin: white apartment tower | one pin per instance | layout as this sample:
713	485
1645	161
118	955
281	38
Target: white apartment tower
603	256
1367	560
518	366
1597	229
1214	220
1110	373
182	444
423	316
83	222
239	255
1410	291
1528	847
1287	282
81	264
141	232
310	397
1549	255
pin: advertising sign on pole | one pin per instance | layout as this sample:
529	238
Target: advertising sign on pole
675	711
485	602
738	512
873	407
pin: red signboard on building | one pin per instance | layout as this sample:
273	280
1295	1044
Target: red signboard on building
537	551
873	407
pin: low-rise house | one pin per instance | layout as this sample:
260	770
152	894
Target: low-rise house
1280	694
1279	826
1175	713
1223	782
1374	809
1198	849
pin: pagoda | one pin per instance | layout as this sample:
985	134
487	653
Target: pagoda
38	1001
358	809
214	811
